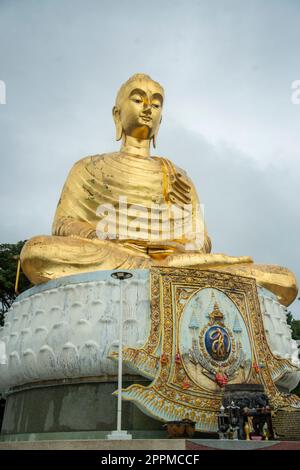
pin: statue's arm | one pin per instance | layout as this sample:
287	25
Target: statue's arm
71	217
202	240
207	244
67	226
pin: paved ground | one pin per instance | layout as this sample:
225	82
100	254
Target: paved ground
210	444
96	444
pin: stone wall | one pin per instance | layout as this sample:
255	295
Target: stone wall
286	424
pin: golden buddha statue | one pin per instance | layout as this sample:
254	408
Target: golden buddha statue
154	189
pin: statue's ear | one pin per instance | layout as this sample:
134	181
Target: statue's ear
118	124
154	138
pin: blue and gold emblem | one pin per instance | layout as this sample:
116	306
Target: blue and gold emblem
218	343
216	335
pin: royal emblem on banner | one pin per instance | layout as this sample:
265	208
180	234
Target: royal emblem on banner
216	349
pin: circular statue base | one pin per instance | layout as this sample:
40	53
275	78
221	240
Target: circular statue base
60	341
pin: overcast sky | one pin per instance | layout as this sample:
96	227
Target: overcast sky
227	68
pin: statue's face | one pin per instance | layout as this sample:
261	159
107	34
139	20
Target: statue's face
140	110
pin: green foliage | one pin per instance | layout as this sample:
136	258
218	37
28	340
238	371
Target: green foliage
296	390
296	329
294	324
289	318
8	270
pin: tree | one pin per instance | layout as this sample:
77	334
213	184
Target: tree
296	329
8	268
295	326
289	318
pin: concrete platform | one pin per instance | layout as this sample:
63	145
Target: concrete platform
150	444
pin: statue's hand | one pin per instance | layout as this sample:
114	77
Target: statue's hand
190	258
158	250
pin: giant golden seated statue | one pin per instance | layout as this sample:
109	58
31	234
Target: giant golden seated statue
130	210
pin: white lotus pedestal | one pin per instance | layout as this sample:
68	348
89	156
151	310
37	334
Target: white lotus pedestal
60	337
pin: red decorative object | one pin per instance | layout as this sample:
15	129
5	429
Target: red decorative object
256	367
221	379
177	358
163	358
186	384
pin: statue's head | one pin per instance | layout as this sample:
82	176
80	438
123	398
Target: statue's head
138	108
